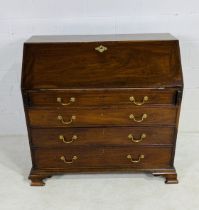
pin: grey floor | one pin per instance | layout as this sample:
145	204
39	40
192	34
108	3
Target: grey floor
93	192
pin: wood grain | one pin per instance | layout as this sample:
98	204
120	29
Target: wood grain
102	136
124	64
155	157
102	97
102	83
102	117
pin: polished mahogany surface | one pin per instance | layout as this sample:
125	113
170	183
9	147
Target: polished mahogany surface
102	103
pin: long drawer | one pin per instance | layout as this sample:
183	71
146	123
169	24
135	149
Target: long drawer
75	98
102	116
104	157
124	136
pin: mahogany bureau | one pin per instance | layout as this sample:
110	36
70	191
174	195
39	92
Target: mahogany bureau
102	103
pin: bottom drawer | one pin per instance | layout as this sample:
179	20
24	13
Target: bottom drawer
104	157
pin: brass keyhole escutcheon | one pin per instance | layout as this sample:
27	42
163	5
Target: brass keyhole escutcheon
101	48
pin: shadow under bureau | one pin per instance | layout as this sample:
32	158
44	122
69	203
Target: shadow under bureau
102	103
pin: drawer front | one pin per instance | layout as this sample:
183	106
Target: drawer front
96	157
103	116
124	136
75	98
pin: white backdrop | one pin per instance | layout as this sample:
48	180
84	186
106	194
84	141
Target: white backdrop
20	19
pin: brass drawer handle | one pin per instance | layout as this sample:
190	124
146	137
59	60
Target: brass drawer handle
135	161
59	117
144	116
143	136
72	100
61	137
145	99
101	48
68	162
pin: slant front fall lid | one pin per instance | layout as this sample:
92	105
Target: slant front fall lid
101	61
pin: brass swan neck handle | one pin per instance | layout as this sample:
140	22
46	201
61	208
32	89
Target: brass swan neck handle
131	137
135	161
132	117
144	100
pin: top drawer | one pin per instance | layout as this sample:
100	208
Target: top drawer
75	98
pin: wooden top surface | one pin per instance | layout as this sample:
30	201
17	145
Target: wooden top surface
96	38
